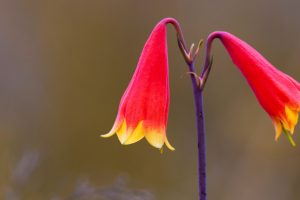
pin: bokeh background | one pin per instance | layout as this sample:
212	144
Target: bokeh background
64	66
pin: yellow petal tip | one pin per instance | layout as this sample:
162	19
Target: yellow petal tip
122	132
157	139
278	129
136	135
291	119
109	134
169	145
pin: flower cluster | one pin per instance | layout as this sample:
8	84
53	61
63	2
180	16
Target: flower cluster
143	110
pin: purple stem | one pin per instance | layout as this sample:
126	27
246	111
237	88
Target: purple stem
198	100
199	115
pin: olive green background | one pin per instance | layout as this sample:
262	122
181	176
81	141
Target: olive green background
64	66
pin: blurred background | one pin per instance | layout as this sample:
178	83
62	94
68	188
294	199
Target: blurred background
64	66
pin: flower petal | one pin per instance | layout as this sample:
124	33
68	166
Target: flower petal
292	119
122	132
136	135
115	127
158	139
278	128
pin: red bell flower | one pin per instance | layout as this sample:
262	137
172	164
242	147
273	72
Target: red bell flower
278	93
143	110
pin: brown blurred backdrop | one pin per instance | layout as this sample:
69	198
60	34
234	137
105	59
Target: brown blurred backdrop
64	66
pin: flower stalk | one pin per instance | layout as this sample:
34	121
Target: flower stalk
198	84
198	101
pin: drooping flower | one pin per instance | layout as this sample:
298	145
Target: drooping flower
143	110
278	93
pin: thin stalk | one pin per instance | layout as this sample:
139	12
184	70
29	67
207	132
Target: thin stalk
198	101
189	57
